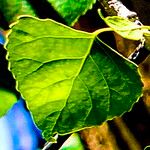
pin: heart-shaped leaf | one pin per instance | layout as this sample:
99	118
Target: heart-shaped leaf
69	79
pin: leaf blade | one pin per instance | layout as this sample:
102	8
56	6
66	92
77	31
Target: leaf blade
67	76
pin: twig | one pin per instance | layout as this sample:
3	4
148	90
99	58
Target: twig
116	8
139	54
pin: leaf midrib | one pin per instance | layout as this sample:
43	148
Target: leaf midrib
78	72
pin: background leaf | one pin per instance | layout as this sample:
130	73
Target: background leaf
71	10
147	41
7	99
124	27
147	148
13	8
69	81
73	143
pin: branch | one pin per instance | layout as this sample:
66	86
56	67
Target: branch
116	7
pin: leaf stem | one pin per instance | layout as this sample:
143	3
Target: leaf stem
145	27
48	144
102	30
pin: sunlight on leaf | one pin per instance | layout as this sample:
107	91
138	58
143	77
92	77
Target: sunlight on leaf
124	27
72	143
69	79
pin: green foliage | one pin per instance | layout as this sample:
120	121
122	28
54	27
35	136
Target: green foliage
147	40
69	78
147	148
72	143
13	8
124	27
7	99
71	10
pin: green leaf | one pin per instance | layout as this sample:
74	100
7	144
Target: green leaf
7	99
72	143
124	27
13	8
69	79
71	10
147	148
147	40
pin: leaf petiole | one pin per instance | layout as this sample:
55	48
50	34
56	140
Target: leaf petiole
99	31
